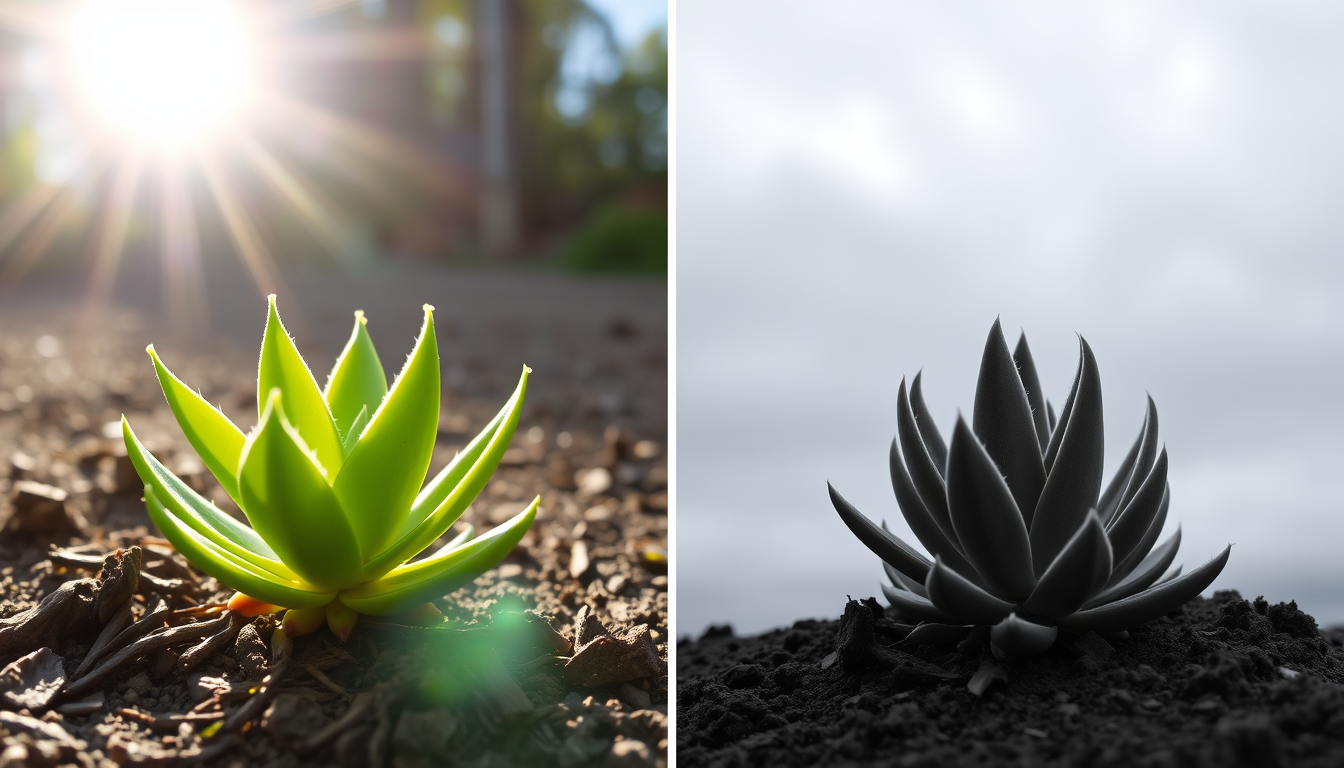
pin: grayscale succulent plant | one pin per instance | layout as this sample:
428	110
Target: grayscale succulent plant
1024	538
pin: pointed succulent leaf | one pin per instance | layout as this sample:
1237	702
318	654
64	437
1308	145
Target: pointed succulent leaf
215	438
1129	527
917	515
356	428
912	606
282	367
462	494
1144	576
410	585
1131	561
927	478
928	430
198	513
985	517
1109	504
357	381
231	570
1057	425
1174	573
1147	457
1031	382
931	633
386	467
437	489
1152	603
288	502
891	549
901	580
1078	573
957	597
458	540
409	573
1017	638
1003	421
1075	477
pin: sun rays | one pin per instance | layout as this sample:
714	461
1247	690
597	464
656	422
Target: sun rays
179	119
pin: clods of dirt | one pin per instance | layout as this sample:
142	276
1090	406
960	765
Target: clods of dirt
144	665
1221	682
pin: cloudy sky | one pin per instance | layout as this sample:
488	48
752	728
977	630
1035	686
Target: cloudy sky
862	187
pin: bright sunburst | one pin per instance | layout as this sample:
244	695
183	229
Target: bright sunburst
278	130
163	72
175	109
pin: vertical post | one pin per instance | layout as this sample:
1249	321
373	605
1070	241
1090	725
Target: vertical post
498	206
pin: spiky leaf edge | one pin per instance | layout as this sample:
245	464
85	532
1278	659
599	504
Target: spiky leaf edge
386	466
457	500
217	440
1152	603
411	584
200	514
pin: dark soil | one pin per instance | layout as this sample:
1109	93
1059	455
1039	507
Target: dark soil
1222	682
559	656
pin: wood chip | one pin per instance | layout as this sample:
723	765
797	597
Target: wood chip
31	681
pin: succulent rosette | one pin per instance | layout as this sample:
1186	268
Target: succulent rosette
1024	537
330	481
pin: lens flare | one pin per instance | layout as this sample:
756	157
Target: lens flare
162	72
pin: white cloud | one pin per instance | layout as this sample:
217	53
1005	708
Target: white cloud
863	187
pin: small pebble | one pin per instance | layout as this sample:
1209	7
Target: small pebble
592	482
635	697
578	559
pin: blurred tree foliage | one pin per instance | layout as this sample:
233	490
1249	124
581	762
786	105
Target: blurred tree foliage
619	238
592	125
590	120
596	131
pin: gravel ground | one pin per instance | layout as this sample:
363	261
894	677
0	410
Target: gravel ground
560	656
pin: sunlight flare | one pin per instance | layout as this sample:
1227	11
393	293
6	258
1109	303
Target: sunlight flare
163	72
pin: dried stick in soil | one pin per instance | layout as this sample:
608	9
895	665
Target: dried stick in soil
45	623
111	629
161	638
201	651
150	621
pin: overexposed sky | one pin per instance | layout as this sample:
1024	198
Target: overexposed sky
863	187
631	20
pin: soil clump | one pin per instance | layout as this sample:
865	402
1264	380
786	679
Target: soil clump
1222	682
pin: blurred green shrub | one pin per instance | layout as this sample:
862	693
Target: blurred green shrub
619	239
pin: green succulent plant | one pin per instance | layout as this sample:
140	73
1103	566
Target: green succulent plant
1023	536
330	480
